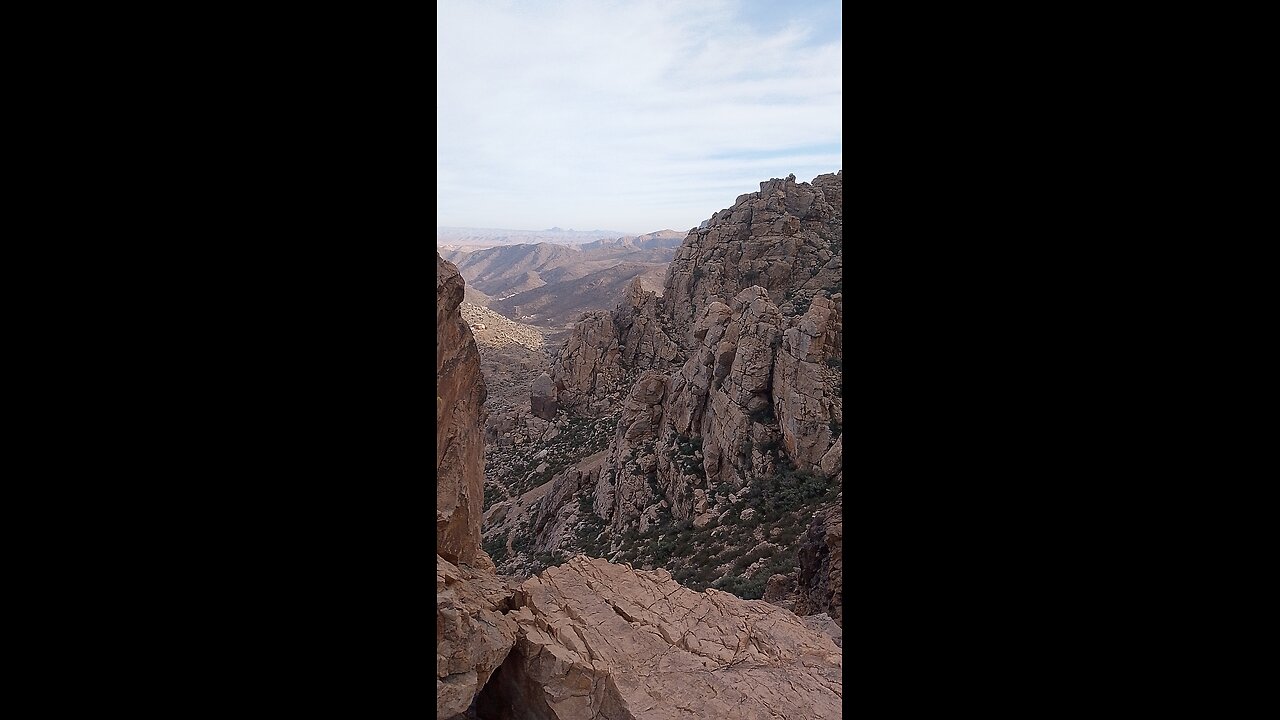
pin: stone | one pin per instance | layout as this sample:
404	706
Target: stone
472	636
542	398
460	397
600	640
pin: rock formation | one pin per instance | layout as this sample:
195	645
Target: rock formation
460	396
787	238
472	638
747	341
542	398
586	372
600	640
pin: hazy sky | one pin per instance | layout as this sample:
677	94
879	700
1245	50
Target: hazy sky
631	115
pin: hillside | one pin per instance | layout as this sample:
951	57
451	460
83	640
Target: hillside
725	398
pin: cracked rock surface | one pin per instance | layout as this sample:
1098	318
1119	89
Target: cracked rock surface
601	640
472	636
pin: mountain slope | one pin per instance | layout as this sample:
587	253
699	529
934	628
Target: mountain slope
728	393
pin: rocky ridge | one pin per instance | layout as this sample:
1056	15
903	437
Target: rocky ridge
729	384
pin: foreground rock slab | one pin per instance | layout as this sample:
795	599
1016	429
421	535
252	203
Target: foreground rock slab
600	640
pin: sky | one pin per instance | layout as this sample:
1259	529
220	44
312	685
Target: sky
629	115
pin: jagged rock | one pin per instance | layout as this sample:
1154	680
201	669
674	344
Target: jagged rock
780	590
808	410
643	342
787	238
820	588
598	640
556	515
587	369
460	396
631	458
472	636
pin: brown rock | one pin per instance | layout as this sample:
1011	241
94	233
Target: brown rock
460	396
542	399
472	636
587	368
598	640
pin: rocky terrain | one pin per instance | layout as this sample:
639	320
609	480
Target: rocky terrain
727	390
589	638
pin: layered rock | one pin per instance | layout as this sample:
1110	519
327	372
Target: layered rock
460	396
599	640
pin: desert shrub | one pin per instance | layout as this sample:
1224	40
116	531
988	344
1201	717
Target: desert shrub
497	549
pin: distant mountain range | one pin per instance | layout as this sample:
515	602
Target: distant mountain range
551	284
476	238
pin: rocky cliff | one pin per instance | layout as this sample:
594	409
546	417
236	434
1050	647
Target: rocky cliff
472	637
727	387
460	396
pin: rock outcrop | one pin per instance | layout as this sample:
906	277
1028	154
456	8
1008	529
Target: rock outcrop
787	238
805	388
542	398
642	339
460	396
587	373
600	640
473	637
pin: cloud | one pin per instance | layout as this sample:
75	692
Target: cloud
628	116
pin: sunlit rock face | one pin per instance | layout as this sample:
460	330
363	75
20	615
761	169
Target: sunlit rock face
460	396
601	640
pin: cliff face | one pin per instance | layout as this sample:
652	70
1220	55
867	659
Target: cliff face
472	636
745	345
460	396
